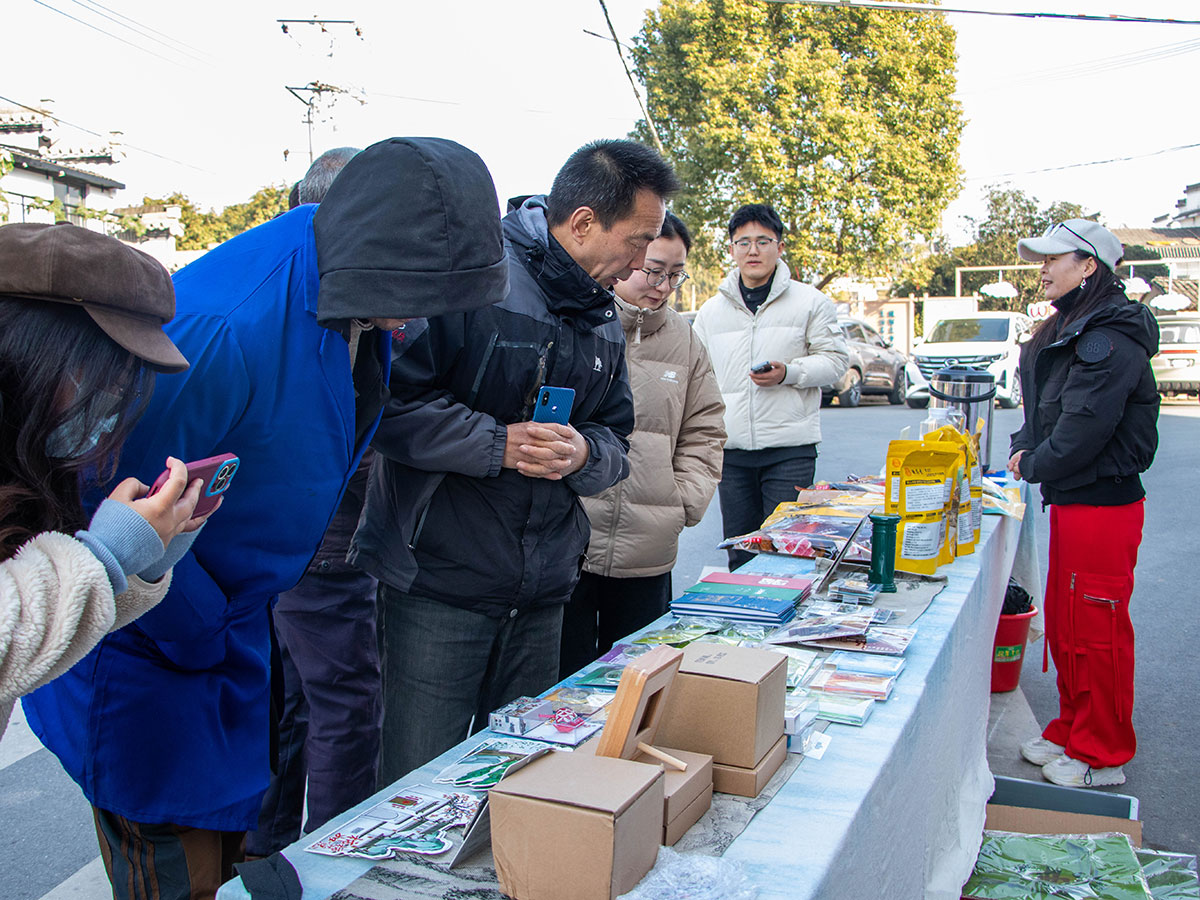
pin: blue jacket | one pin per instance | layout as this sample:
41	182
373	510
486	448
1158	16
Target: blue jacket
167	720
443	520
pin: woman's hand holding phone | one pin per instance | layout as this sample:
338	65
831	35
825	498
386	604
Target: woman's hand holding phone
169	511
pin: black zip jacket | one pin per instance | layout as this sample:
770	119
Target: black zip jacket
1091	407
443	520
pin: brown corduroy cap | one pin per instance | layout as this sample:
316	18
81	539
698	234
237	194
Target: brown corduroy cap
126	292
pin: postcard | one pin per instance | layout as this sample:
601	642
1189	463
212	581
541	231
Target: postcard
416	820
484	766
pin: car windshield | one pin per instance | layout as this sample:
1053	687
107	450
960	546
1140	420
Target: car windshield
954	331
1180	333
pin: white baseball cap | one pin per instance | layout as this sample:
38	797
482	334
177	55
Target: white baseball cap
1073	234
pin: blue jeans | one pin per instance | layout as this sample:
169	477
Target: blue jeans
445	669
750	493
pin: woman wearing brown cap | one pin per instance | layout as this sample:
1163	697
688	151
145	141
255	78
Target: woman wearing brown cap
80	337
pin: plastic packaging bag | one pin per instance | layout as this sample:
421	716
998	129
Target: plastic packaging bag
1056	867
693	877
1171	876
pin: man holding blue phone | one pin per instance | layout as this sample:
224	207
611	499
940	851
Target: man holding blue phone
473	524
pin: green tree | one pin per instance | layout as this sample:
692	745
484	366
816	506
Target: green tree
1011	215
843	119
202	230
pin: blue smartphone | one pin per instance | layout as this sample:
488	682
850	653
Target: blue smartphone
554	405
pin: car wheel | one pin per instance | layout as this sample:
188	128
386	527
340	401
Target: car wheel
853	392
1014	398
917	402
899	388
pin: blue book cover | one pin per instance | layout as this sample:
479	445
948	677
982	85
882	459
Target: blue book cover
741	605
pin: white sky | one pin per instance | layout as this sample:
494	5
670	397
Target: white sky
523	85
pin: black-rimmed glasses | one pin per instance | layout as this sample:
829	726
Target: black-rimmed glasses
655	277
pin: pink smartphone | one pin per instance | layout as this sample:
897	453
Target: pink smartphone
216	472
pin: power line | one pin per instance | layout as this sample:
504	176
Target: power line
1098	162
105	137
139	33
930	8
146	27
103	32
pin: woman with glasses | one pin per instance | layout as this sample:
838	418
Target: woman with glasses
80	331
1091	412
674	462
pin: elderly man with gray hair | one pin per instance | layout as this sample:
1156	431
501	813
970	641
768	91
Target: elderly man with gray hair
330	708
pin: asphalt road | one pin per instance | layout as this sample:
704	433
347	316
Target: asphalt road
48	848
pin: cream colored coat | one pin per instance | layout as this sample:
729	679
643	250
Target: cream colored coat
674	451
56	603
797	325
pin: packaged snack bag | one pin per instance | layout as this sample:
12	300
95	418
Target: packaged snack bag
921	476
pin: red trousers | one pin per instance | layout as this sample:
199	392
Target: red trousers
1093	550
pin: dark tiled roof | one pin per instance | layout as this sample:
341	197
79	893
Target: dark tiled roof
1188	287
1157	237
67	173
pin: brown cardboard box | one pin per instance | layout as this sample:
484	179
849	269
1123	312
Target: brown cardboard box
677	827
687	795
573	826
1049	821
750	782
726	702
683	790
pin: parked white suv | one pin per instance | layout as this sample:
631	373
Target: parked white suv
988	341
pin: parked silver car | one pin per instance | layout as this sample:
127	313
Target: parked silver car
875	368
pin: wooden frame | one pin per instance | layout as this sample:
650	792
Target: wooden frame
637	709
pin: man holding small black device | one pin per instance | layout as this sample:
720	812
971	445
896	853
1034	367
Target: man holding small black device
473	524
774	342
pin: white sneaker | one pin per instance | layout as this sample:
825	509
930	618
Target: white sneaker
1040	751
1076	773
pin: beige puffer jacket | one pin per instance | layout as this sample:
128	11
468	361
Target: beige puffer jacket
674	451
796	325
56	602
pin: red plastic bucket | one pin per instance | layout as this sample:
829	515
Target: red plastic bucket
1009	649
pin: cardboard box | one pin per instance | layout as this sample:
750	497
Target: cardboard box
573	826
683	791
687	795
750	782
678	827
726	702
1036	807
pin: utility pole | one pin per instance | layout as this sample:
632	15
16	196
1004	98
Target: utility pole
310	94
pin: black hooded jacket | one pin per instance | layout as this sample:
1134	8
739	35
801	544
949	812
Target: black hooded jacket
1091	407
443	520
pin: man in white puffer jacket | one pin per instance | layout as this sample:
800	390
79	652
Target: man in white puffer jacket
762	320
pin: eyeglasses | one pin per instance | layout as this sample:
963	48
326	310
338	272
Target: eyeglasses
762	243
655	277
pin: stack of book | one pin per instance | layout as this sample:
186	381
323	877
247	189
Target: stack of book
739	597
853	590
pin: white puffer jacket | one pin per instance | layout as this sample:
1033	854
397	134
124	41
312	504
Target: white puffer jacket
796	324
56	602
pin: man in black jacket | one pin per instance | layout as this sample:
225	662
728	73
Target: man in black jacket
473	524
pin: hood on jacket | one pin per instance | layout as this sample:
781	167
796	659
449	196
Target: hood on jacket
1130	318
409	229
572	293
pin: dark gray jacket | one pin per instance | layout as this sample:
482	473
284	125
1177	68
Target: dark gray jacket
443	520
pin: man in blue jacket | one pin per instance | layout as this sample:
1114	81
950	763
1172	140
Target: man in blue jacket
166	724
473	524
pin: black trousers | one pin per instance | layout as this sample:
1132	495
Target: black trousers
750	493
329	728
603	610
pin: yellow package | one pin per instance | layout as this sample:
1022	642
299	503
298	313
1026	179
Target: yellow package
967	505
920	477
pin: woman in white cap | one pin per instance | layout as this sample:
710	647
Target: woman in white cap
1091	413
80	334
